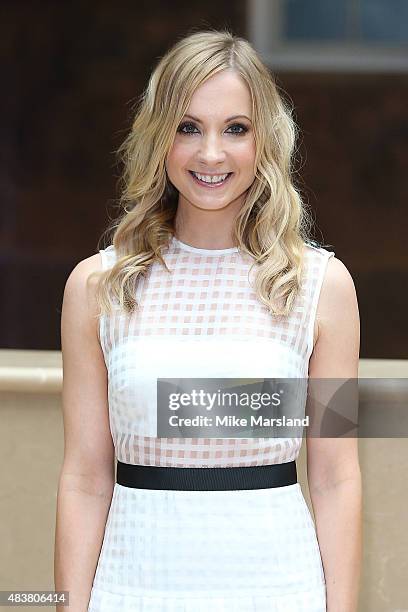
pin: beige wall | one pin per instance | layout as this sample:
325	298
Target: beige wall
31	451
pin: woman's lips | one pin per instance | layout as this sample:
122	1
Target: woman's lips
211	185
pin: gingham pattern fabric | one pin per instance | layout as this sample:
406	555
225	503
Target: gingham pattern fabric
202	319
195	551
252	550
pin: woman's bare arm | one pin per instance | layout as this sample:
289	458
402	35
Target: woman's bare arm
332	463
87	475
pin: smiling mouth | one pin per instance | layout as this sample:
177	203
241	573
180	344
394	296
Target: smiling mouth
208	184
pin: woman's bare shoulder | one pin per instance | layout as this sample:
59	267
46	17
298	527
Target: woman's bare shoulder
79	303
338	285
337	296
80	274
337	305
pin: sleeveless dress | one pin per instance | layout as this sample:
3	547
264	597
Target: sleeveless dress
194	551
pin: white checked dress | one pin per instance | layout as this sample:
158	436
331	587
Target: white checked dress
194	551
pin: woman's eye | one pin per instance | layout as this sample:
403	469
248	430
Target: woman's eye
183	128
239	125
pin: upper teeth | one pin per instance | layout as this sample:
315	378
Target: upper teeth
211	179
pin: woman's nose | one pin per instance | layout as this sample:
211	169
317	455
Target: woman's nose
211	149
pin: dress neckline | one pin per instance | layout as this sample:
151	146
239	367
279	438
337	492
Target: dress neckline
188	247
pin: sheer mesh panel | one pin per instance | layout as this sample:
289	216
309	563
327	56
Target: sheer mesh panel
202	320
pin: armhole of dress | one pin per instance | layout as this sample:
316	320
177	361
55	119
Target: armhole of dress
315	299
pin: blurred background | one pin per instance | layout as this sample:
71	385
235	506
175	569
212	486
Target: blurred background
71	74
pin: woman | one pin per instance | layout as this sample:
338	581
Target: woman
210	274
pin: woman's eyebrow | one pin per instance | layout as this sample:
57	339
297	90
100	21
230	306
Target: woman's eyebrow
226	121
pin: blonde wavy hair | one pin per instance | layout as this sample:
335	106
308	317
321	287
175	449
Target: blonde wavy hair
273	223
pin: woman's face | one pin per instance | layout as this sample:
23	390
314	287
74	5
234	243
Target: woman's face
215	137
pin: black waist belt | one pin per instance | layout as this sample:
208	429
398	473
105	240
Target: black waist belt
206	479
